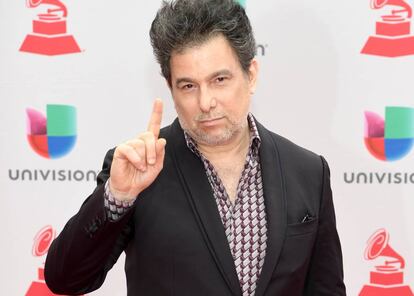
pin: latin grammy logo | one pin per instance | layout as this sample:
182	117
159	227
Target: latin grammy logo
393	32
49	35
387	279
42	242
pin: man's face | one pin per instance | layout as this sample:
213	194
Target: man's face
211	92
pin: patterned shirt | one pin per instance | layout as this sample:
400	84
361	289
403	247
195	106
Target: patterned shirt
244	221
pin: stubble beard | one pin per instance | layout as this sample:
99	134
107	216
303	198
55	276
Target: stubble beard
202	137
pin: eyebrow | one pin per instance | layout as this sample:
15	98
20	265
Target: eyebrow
215	74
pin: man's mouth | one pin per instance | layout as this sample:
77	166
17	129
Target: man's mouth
210	121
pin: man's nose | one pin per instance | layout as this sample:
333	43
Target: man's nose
206	100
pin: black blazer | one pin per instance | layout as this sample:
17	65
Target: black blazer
174	239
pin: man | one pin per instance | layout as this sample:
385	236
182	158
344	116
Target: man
213	204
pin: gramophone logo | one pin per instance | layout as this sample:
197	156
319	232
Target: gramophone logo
393	138
53	135
393	31
387	279
42	242
49	35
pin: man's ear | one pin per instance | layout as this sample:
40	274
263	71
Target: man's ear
253	73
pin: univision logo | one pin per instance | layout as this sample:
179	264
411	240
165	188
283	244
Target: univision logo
393	138
53	135
242	2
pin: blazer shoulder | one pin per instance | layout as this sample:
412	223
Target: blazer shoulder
165	132
294	153
287	146
297	160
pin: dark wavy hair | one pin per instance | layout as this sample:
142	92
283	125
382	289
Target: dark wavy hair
181	24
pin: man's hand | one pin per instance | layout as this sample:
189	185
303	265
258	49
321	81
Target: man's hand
138	162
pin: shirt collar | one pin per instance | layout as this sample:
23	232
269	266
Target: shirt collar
254	137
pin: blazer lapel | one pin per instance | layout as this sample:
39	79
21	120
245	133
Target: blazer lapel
275	201
192	174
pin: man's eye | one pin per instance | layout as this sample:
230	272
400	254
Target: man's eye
221	79
187	86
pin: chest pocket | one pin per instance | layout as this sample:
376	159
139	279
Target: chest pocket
297	229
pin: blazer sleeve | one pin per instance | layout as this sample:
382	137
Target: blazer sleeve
325	276
89	245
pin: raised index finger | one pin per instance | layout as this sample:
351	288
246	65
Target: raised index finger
154	124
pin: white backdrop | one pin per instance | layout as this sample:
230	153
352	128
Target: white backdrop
314	88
